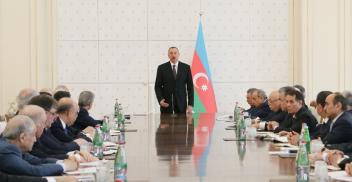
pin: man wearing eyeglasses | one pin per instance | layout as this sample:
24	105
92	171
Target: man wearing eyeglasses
276	114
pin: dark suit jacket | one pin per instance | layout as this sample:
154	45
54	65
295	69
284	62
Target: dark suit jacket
15	178
84	120
72	133
278	116
294	122
323	129
42	151
346	148
341	131
50	141
13	161
262	111
166	86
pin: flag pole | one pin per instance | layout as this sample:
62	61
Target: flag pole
201	12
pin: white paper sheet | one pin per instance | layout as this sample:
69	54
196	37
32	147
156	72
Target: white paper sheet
340	175
87	170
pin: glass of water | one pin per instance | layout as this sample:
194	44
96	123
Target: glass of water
321	171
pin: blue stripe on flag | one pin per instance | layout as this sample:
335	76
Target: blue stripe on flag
200	48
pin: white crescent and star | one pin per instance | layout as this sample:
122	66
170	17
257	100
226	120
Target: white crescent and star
204	87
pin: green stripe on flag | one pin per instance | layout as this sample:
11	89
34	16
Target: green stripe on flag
198	105
196	119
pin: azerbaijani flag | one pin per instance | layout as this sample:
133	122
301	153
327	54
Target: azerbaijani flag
204	98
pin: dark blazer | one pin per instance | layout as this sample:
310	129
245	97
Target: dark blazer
323	129
42	151
15	178
71	133
181	87
84	120
341	131
13	161
346	148
51	142
294	122
278	116
262	111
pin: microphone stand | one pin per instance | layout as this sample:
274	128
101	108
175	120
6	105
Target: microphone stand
172	105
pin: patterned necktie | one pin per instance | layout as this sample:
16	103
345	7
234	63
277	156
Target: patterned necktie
174	70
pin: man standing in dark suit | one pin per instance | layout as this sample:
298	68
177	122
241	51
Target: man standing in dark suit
172	78
340	130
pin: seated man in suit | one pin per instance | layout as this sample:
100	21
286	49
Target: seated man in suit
37	114
249	99
273	124
340	130
261	108
48	143
85	102
323	127
18	139
276	114
67	114
298	114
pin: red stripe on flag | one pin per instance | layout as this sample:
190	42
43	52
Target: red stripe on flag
202	84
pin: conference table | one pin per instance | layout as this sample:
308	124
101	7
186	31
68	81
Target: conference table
192	149
178	148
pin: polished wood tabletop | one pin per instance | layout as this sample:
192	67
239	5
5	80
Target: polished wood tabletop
180	148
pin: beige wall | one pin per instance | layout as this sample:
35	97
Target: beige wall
26	34
320	45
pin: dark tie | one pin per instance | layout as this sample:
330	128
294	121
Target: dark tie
65	130
174	70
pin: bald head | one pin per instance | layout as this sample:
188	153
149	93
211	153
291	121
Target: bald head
24	96
68	110
38	116
61	88
274	101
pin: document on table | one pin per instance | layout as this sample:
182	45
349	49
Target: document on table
87	170
91	164
278	138
340	175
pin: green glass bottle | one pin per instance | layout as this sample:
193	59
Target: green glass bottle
241	129
302	163
306	136
98	143
120	165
